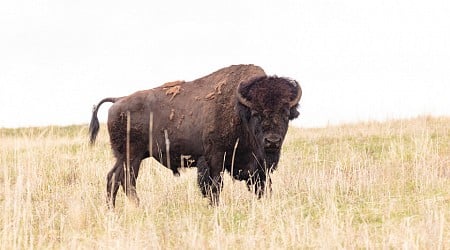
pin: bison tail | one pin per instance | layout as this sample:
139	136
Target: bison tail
94	126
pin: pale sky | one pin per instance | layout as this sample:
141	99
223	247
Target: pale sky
356	60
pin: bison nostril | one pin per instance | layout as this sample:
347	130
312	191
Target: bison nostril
272	141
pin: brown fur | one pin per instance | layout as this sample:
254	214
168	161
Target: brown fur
208	129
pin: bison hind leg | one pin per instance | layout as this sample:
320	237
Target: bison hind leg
129	183
113	181
118	177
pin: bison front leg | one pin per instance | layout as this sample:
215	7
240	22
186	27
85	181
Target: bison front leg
260	183
209	180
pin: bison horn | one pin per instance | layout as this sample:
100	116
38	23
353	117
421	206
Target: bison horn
244	101
298	96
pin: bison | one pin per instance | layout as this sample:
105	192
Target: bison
234	119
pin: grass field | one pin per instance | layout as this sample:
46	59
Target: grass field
369	185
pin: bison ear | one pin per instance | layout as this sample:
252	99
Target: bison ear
293	113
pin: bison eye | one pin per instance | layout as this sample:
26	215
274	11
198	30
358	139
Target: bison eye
255	113
285	114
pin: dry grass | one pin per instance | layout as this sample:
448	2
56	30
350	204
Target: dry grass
371	185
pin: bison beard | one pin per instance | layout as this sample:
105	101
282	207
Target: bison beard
234	119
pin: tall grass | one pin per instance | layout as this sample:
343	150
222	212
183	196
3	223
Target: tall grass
369	185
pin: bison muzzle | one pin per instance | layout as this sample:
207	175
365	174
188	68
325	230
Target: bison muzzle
234	119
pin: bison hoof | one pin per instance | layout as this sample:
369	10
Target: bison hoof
214	200
176	173
134	200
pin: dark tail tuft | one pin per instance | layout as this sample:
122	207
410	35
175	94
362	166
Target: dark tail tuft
94	126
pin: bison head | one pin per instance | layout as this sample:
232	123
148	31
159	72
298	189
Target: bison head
266	105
